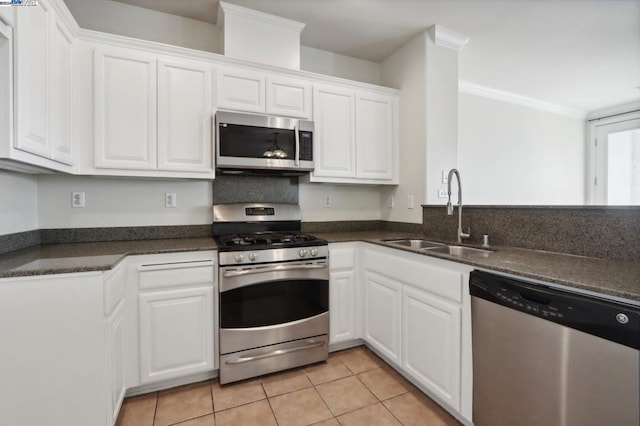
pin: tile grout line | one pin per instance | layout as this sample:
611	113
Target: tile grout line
269	402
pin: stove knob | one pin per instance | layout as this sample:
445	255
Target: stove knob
314	252
302	252
253	256
239	257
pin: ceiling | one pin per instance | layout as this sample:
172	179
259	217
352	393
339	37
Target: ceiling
581	54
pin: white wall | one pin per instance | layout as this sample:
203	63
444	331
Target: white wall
121	202
511	154
441	117
131	21
19	205
348	202
405	69
334	64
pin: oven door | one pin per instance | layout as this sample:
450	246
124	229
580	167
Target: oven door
267	304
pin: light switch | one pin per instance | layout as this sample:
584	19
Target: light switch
409	201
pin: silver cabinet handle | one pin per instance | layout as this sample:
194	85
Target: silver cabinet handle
228	274
297	159
240	360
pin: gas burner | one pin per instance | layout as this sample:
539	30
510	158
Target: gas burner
261	240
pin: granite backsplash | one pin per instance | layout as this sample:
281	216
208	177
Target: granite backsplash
595	231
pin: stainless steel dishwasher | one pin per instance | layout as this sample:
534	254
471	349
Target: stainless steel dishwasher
543	356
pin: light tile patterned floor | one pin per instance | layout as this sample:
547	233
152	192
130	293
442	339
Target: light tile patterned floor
354	387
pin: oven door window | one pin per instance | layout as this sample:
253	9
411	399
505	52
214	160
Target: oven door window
257	142
273	303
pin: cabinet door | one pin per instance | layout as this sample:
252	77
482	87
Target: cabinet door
382	315
176	333
124	109
374	136
241	90
116	361
33	28
342	286
184	116
431	343
61	93
288	97
334	136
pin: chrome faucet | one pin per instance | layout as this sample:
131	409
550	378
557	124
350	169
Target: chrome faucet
461	234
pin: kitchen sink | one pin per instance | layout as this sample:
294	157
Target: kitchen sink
416	244
459	251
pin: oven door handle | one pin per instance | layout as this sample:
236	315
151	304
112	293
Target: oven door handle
241	360
228	274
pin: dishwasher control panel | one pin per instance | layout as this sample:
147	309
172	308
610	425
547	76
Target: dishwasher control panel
610	320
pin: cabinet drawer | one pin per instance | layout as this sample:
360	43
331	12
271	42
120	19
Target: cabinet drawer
114	287
341	258
419	271
176	274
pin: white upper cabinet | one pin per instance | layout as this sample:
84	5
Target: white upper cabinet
152	114
184	116
374	136
288	97
335	132
124	109
43	76
355	136
32	79
240	89
61	118
258	92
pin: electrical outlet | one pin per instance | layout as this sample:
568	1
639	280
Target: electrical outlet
445	176
77	199
326	200
392	202
170	199
442	193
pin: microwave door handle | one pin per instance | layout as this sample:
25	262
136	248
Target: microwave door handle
297	159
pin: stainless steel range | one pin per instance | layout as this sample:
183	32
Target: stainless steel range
274	290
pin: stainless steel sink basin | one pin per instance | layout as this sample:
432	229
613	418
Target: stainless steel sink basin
416	244
459	251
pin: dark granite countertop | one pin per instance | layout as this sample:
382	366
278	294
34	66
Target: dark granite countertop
615	278
86	257
609	277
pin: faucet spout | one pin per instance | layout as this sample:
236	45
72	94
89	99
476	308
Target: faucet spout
461	234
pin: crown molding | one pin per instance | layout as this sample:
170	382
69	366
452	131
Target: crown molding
448	38
232	9
470	88
216	59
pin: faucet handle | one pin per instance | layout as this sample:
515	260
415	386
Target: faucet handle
467	234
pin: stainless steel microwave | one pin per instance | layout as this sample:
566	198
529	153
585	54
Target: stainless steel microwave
263	143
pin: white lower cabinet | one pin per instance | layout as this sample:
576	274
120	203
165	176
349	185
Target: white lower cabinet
431	330
383	315
62	349
344	306
176	333
174	316
116	363
417	316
